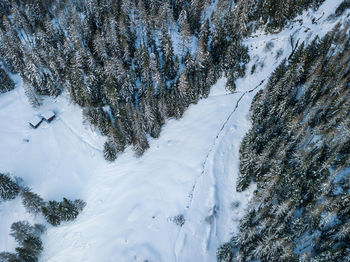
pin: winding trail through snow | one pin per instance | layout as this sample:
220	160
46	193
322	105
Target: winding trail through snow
214	144
213	168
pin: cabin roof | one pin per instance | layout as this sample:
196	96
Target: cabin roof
35	121
48	114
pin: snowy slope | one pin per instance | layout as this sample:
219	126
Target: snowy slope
191	170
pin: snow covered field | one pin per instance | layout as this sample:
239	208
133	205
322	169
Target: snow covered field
191	170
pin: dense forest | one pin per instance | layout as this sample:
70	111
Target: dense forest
116	59
298	154
131	64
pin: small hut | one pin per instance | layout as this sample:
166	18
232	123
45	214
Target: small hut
35	122
48	116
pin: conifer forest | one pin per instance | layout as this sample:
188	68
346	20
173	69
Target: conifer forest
174	130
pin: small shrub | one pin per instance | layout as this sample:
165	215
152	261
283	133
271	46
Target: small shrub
235	205
269	46
279	53
252	71
179	220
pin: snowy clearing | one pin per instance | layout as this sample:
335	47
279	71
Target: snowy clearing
191	170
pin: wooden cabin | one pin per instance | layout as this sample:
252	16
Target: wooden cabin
48	116
35	122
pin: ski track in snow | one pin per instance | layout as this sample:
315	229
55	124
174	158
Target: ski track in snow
214	167
130	203
81	138
213	147
210	171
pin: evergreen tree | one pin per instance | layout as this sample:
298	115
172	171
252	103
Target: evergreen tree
31	201
22	231
184	89
8	188
6	84
169	65
57	212
140	143
203	59
28	238
185	32
195	10
8	257
109	152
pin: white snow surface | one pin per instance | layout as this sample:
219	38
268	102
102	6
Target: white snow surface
191	169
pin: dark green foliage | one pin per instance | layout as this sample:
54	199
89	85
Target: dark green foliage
26	254
31	201
109	152
28	239
8	257
57	212
6	84
8	188
22	231
342	7
179	220
110	67
26	235
271	14
224	253
297	153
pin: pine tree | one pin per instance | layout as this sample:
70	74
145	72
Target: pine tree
26	254
28	237
184	89
51	212
156	74
169	66
22	230
31	201
152	116
6	83
224	253
185	32
203	59
140	143
109	152
218	43
195	10
57	212
8	257
8	189
68	210
166	15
